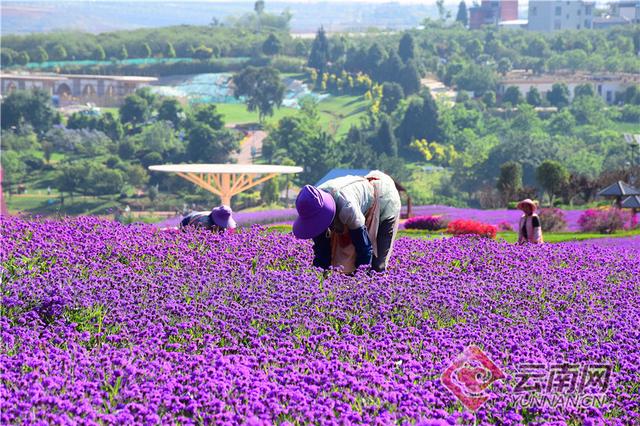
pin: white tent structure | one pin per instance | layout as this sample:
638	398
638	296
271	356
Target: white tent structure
226	180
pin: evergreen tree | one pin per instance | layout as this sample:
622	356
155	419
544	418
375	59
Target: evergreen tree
319	55
385	140
375	57
512	95
406	49
462	16
533	97
272	45
392	94
99	53
59	52
40	55
558	96
391	69
410	79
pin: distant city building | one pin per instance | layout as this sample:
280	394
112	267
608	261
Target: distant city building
550	15
605	85
102	90
620	13
492	12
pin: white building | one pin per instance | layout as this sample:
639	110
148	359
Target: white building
552	15
605	85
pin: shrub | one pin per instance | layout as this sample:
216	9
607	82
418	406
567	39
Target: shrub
429	223
552	219
471	227
604	221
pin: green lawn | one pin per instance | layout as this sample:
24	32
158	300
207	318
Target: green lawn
337	113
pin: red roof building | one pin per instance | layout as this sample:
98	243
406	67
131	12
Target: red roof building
492	12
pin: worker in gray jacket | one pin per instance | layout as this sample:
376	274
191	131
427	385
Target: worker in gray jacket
352	220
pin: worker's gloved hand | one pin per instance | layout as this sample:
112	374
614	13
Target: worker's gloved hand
362	243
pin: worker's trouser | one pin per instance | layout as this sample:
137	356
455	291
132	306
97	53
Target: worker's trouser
386	234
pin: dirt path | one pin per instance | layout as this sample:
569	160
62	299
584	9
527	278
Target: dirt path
252	143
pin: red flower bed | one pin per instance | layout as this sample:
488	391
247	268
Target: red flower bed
471	227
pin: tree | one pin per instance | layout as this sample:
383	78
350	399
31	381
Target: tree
406	49
510	180
583	90
102	180
385	140
40	55
170	110
300	49
558	96
462	14
392	94
272	45
533	97
146	50
13	169
207	145
552	176
31	107
392	67
59	52
319	55
512	95
420	121
270	191
123	54
475	48
443	14
22	58
99	53
169	51
202	52
489	98
209	115
262	87
134	110
504	66
375	56
71	177
410	79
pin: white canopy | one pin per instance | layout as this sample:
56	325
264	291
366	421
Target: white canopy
226	180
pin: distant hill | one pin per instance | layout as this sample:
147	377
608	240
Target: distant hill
93	16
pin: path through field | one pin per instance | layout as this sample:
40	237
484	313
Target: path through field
252	143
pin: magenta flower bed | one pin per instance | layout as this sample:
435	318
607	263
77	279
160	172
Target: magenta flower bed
110	324
492	217
631	243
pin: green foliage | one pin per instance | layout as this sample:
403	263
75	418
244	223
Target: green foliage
13	169
533	97
123	53
135	110
171	110
59	52
272	45
510	180
207	145
392	94
32	108
407	49
169	51
146	50
512	96
262	87
552	176
319	55
558	96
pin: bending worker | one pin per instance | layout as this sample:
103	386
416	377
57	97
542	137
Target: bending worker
529	228
217	220
352	220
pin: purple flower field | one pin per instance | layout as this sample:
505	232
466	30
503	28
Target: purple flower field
109	324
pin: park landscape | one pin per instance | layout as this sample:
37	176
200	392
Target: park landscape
112	315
